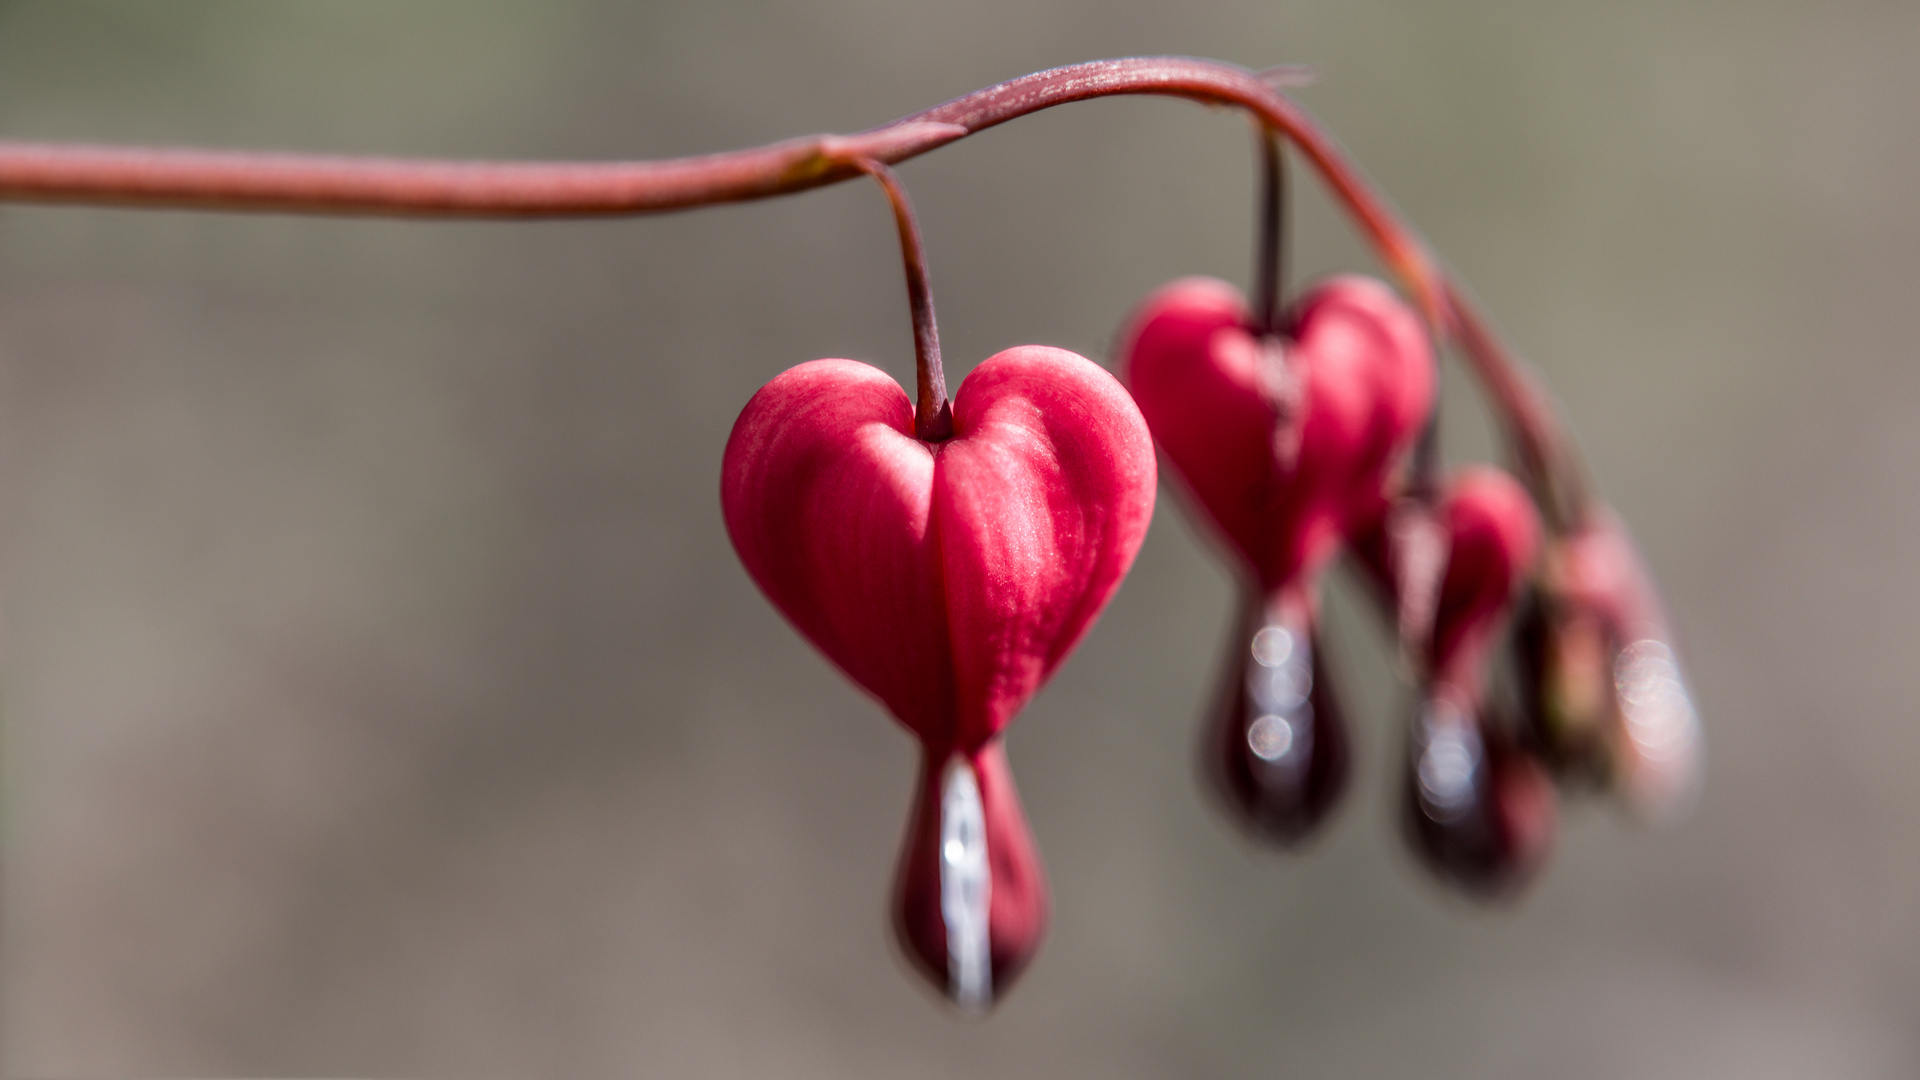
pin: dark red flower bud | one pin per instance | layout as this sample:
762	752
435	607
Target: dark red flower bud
970	893
1276	749
1480	812
1563	668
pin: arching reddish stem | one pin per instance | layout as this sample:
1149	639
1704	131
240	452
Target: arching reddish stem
344	185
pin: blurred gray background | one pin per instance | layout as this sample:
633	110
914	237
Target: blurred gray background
382	696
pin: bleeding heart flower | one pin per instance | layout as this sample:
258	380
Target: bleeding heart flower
948	579
1281	441
1602	691
1480	810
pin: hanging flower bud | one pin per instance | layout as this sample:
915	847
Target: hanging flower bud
1562	663
1603	695
1480	812
1279	439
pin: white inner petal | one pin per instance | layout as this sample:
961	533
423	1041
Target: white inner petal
966	888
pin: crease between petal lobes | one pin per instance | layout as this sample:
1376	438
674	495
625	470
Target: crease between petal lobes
947	580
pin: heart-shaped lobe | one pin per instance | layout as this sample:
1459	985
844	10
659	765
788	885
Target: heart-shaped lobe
1492	538
1493	535
948	579
1206	386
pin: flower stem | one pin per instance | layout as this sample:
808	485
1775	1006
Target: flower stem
32	172
1270	265
933	415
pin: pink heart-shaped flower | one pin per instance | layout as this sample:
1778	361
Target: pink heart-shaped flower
1480	809
1602	687
948	579
1491	540
1207	388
